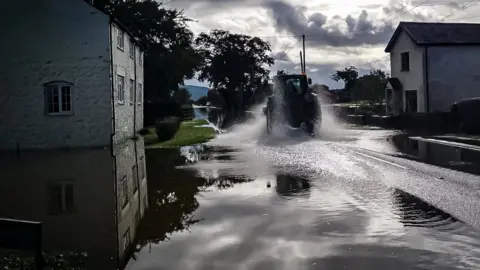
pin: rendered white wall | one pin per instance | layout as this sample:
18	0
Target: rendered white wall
414	78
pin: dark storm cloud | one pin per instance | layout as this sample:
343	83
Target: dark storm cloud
361	30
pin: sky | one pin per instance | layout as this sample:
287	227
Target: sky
339	33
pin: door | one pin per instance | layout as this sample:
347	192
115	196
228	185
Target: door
411	101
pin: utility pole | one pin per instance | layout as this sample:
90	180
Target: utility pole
301	62
304	63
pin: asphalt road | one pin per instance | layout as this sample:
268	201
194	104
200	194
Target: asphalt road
340	201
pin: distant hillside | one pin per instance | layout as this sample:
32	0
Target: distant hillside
196	91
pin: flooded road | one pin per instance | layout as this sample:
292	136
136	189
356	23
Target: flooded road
346	200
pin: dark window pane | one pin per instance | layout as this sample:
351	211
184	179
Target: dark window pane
66	98
69	197
56	101
49	92
56	198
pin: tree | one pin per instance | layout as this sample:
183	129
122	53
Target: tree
202	101
349	75
170	57
182	96
320	87
370	87
233	62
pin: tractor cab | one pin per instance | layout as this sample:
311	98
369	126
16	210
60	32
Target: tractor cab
292	101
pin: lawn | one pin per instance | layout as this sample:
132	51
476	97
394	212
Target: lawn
189	133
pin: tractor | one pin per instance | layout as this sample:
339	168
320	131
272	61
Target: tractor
292	102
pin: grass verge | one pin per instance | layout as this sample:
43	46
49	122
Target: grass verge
189	133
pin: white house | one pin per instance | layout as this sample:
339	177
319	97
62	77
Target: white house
432	66
71	104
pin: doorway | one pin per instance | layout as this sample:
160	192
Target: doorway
411	101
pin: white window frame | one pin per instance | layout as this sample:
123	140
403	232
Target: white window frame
131	49
120	89
136	182
59	87
142	168
140	94
120	39
132	91
125	191
126	239
62	208
140	58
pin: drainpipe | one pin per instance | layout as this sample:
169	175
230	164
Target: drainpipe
115	186
135	129
427	80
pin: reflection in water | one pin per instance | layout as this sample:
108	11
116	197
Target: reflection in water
200	112
72	193
192	153
172	191
438	154
289	185
416	213
342	225
212	114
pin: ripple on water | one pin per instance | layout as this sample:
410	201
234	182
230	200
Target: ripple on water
414	212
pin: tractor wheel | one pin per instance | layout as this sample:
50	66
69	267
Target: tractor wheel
310	127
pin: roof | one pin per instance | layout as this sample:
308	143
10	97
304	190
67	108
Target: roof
427	33
395	83
118	23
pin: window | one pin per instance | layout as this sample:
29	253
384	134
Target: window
135	179
62	197
124	185
405	59
58	98
132	91
142	168
140	94
120	89
120	39
411	101
126	239
132	49
137	218
140	58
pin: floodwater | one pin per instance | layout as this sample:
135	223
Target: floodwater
345	200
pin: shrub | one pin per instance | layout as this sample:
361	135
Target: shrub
167	128
144	131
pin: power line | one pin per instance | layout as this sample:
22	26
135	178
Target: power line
374	61
275	36
459	9
464	18
289	50
169	2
